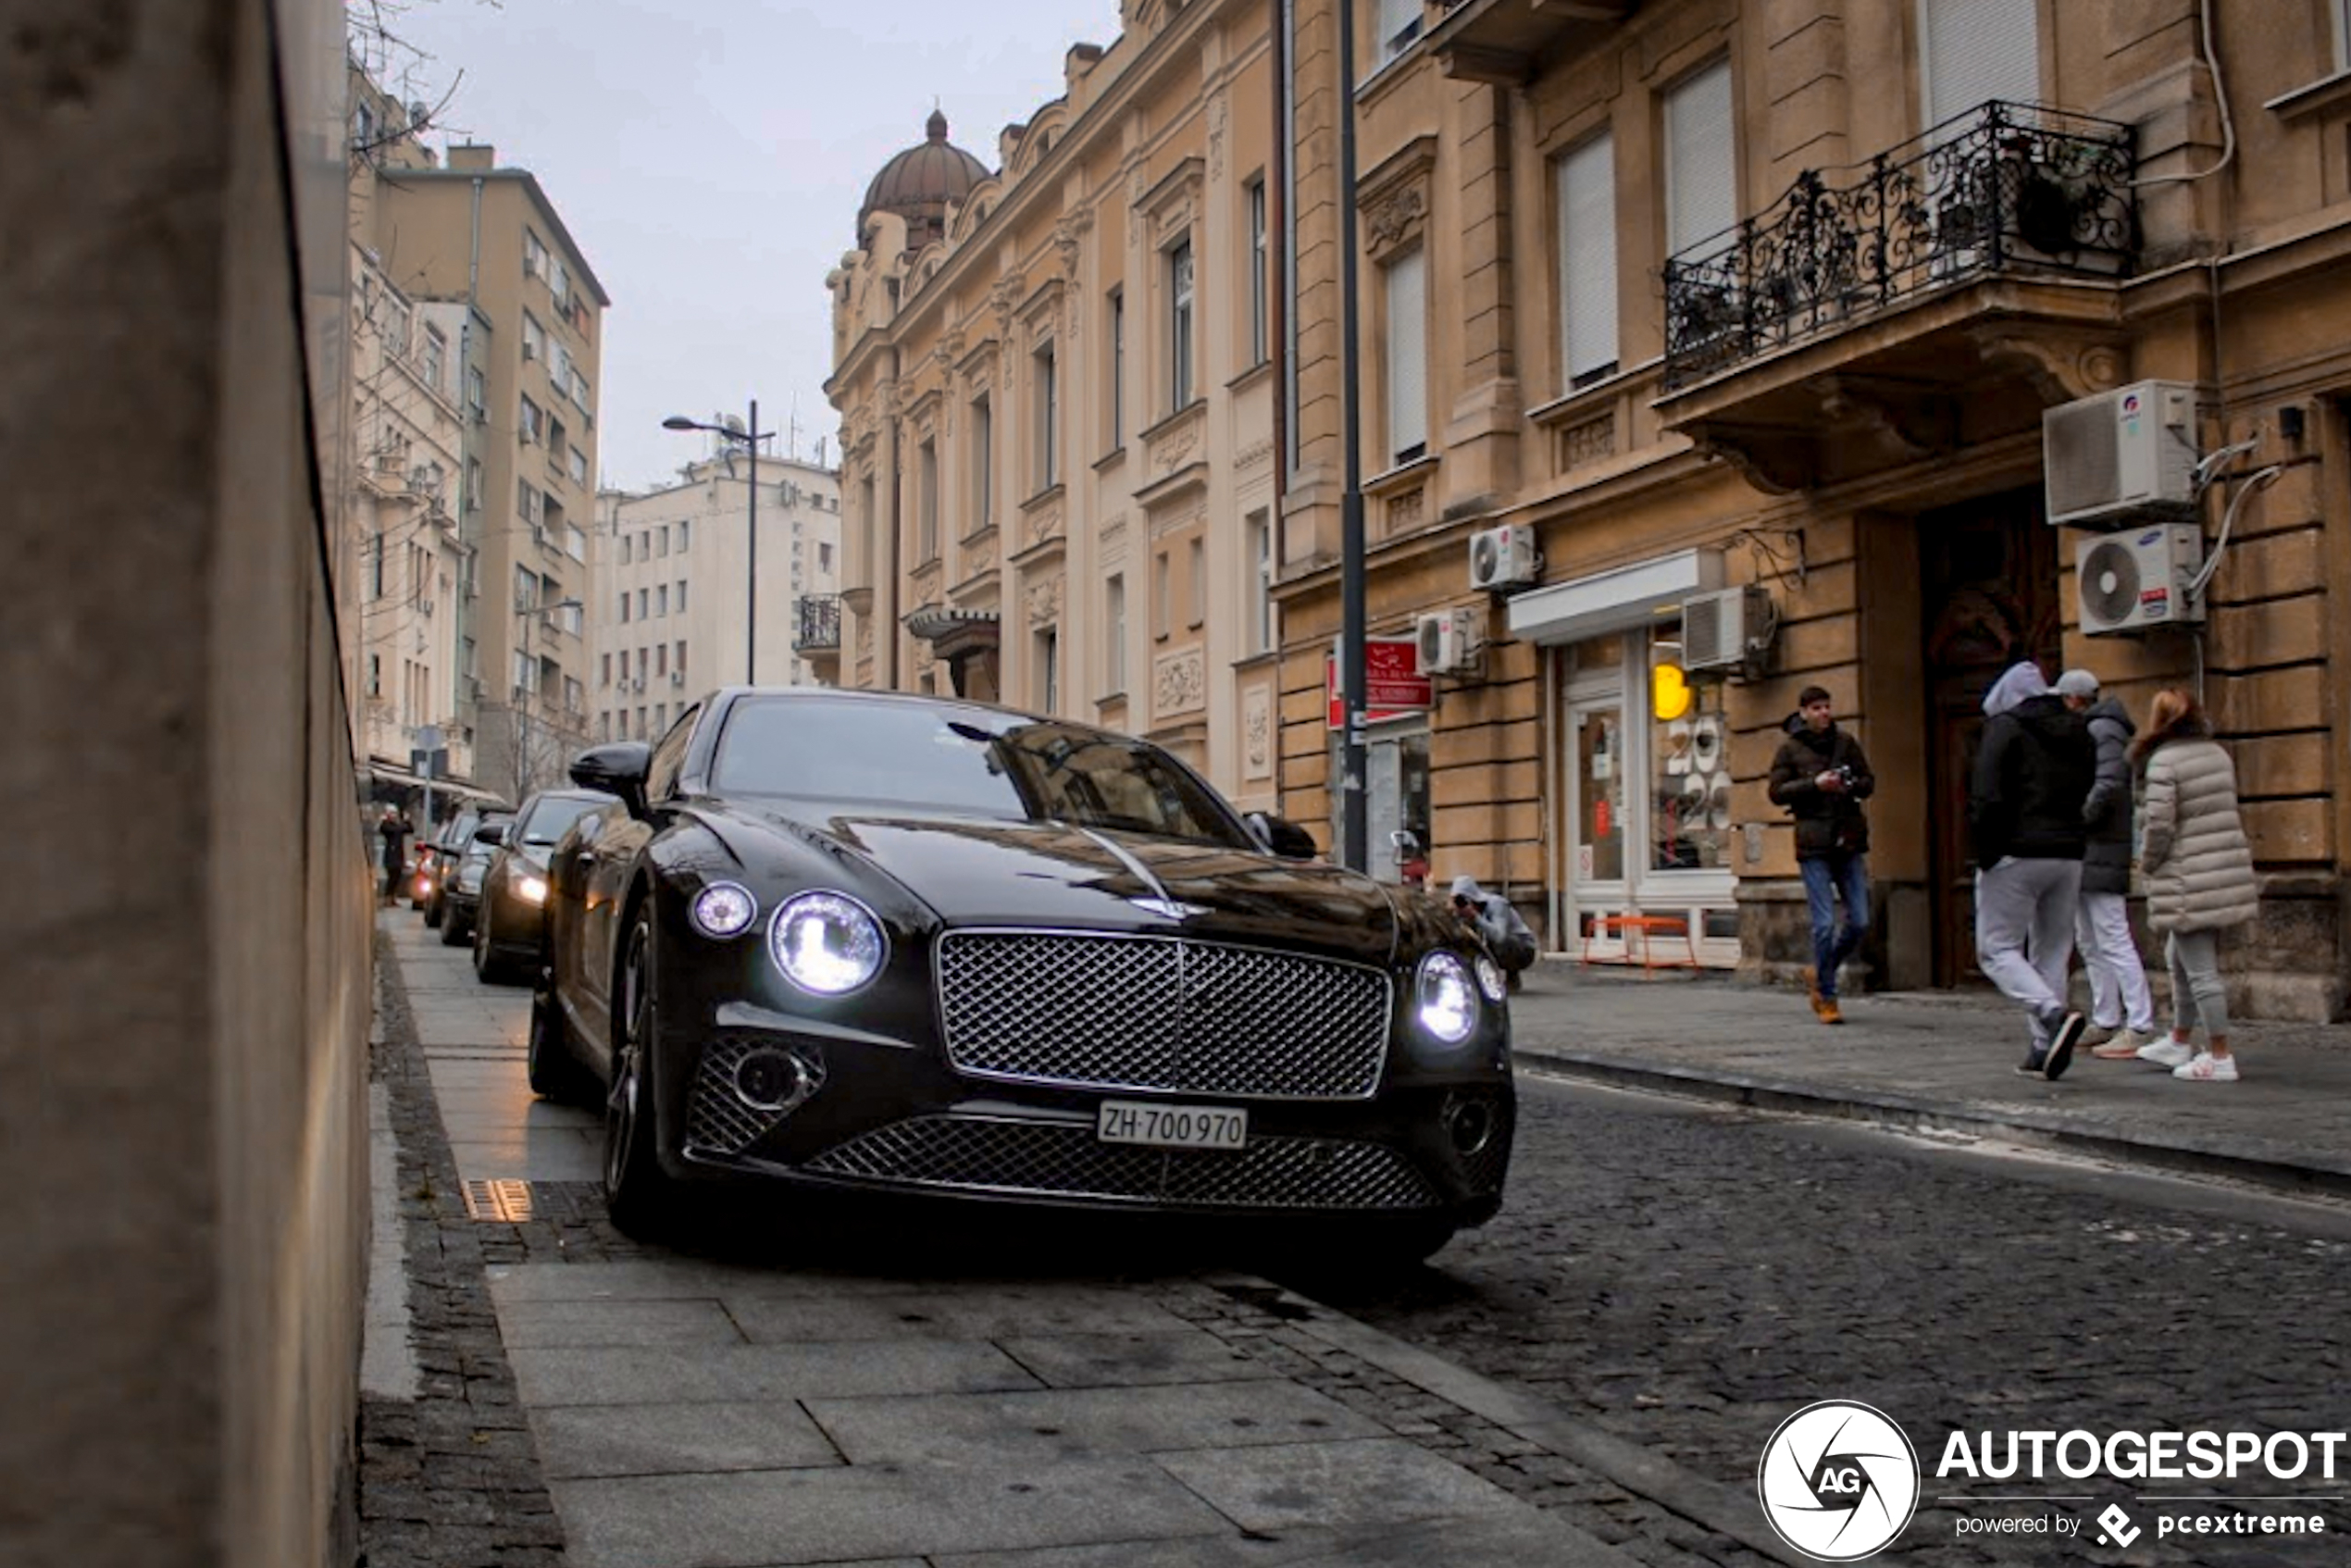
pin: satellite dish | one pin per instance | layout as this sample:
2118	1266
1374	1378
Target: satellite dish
734	426
2110	583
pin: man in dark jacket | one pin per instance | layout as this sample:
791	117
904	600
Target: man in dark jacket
2121	1009
2033	770
1822	777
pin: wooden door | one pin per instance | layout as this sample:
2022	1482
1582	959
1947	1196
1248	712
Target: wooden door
1990	598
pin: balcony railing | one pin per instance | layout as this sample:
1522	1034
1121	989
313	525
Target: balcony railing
817	630
2005	188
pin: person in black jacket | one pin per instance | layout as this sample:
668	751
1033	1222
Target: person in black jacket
2032	775
1822	777
2121	1008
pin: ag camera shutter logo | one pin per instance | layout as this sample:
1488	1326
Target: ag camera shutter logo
1839	1481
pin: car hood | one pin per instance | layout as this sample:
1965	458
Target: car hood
1010	873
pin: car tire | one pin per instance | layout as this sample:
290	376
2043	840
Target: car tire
639	1195
456	932
434	912
489	968
555	1074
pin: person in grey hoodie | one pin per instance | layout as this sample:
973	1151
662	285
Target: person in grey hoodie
2033	769
2121	1008
1508	937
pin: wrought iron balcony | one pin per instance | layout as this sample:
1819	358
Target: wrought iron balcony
2007	188
816	628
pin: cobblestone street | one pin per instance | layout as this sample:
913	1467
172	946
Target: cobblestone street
1687	1277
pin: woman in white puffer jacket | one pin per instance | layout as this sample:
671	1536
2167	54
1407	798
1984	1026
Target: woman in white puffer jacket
2199	866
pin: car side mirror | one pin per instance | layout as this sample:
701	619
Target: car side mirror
1281	837
618	768
490	833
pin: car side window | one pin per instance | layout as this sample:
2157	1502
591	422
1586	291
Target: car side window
669	756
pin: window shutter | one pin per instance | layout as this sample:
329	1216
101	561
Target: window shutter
1701	170
1407	356
1977	50
1588	257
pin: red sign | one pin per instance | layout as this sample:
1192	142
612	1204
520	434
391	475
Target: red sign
1393	684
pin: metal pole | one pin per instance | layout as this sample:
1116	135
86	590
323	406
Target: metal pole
1355	852
751	593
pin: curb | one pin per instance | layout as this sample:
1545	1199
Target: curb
2169	1157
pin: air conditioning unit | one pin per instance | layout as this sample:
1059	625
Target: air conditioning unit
1450	641
1724	630
2135	581
677	678
529	351
1503	557
2122	457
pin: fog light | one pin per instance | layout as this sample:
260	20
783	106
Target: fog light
774	1080
1471	1121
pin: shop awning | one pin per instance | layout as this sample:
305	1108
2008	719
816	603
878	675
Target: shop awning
406	779
1617	600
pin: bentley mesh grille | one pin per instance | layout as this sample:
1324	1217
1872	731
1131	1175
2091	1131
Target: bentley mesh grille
1062	1160
716	1121
1161	1013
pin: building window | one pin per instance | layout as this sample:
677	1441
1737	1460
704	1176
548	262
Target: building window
1973	51
1117	330
661	539
677	662
1196	566
927	503
1701	160
1179	327
1114	632
1690	763
1163	598
374	675
660	659
533	426
473	484
983	465
644	604
1399	24
624	606
825	558
604	674
534	256
624	550
684	534
476	391
579	467
1586	180
1048	694
534	337
436	363
1406	295
1048	386
681	596
661	600
375	566
1259	299
575	542
1260	534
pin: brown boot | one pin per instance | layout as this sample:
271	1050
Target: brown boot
1823	1007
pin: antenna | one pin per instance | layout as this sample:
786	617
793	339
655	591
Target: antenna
792	428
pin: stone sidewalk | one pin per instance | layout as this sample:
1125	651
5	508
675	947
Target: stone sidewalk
1946	1060
905	1397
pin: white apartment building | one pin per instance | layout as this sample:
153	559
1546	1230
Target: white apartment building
670	592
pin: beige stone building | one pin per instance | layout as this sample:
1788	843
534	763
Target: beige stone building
671	598
485	247
1665	300
1057	390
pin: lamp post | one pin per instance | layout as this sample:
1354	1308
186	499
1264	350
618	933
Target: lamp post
751	437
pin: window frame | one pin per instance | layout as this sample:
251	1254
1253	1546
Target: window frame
1183	311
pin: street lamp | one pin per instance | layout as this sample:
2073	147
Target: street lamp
751	437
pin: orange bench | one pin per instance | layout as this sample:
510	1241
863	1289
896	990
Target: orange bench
1622	926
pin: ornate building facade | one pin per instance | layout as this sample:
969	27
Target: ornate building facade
1057	392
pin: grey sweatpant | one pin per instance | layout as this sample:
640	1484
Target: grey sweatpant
2024	933
2197	994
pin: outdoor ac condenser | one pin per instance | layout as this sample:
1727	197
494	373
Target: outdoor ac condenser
2139	580
2122	457
1722	630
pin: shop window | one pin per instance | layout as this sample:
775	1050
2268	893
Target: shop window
1690	763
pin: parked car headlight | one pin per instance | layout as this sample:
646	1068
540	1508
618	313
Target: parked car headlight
1491	980
724	910
827	943
1448	1001
531	888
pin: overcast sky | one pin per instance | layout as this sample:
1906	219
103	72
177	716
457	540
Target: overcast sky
709	158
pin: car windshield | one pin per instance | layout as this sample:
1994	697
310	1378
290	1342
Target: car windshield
553	815
967	763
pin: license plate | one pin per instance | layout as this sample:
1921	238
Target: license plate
1171	1127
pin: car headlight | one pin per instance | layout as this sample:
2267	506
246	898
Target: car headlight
1448	1001
530	888
827	943
1491	980
724	910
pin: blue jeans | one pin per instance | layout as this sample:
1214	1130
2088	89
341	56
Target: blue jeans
1824	880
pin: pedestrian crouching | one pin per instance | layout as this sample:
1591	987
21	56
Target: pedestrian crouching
1508	937
2121	1007
2199	866
2033	770
1822	777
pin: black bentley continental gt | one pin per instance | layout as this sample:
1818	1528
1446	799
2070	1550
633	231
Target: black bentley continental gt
862	940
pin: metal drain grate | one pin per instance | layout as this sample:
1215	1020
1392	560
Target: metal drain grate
518	1203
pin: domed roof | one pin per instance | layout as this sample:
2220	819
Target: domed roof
920	182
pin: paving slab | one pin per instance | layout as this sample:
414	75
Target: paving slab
955	1314
533	1324
1516	1539
658	1375
578	1441
1362	1481
1070	1424
847	1513
1131	1361
675	1277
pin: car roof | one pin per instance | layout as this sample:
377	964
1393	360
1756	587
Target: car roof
899	699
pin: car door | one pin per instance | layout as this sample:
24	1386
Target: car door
619	850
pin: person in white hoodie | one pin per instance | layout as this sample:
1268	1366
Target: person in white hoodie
2033	769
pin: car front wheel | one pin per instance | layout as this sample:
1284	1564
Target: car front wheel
555	1074
488	968
638	1196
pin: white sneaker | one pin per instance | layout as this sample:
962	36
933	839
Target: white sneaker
2207	1068
2167	1052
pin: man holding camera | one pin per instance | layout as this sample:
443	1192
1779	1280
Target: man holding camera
1822	777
